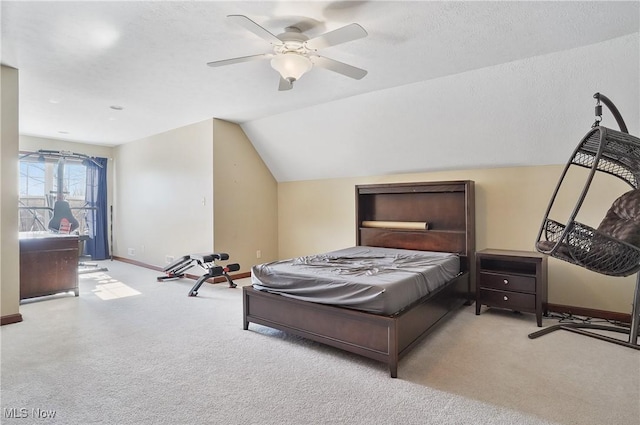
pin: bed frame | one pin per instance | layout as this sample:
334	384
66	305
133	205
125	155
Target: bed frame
449	209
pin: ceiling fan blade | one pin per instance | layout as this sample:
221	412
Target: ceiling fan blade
341	35
249	25
285	85
238	60
339	67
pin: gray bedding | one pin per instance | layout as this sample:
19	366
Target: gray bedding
377	280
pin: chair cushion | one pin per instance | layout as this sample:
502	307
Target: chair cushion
622	221
62	210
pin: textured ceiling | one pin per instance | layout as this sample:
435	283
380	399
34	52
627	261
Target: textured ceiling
77	59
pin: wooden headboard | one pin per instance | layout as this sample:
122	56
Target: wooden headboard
447	206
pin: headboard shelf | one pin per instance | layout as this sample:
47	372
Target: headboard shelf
362	228
447	206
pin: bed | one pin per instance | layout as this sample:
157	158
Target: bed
386	334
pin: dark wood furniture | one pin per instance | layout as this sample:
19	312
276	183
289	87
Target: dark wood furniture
449	208
515	280
48	264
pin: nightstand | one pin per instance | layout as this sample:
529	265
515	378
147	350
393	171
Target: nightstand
515	280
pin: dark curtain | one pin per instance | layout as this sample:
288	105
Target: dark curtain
97	246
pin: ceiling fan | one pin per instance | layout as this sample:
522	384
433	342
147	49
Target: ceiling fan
295	54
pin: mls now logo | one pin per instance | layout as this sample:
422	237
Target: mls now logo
15	413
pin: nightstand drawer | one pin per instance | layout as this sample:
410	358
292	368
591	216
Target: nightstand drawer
506	299
507	282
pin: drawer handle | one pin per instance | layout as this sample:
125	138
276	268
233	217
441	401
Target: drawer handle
506	282
505	298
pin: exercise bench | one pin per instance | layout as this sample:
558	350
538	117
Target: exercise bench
178	268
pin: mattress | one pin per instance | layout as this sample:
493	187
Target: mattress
377	280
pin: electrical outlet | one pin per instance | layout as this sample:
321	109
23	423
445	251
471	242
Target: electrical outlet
131	252
258	254
169	259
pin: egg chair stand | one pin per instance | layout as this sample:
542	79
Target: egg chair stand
612	248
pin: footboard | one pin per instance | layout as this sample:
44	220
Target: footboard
357	332
381	338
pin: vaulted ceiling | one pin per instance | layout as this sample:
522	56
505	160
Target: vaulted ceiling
77	60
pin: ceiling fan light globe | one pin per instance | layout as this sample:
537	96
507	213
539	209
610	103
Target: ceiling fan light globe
291	66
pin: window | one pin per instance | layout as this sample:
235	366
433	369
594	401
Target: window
31	178
74	178
39	190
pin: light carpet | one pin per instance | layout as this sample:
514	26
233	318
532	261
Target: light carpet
131	350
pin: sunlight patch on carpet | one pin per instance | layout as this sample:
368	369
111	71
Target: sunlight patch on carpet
108	288
114	290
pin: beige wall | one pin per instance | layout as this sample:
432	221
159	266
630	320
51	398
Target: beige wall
199	188
246	206
163	199
9	248
162	214
317	216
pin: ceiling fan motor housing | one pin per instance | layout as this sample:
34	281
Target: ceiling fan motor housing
292	41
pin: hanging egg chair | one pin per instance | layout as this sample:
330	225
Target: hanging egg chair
613	248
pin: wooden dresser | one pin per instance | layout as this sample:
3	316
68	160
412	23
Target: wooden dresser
48	264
